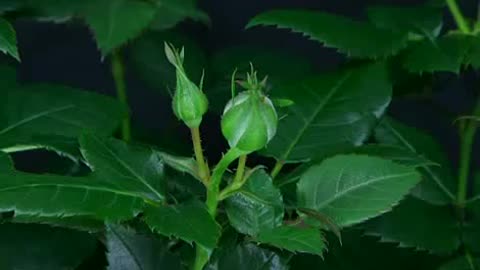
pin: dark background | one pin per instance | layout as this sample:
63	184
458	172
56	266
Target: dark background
67	54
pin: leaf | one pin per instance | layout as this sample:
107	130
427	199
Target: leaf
190	222
171	12
257	206
181	164
8	39
331	112
438	185
423	21
415	223
461	263
473	56
347	36
248	257
139	168
354	188
39	247
114	22
80	223
53	117
395	153
6	163
294	239
446	53
132	251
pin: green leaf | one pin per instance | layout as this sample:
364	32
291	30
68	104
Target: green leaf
115	22
80	223
294	239
331	112
248	257
39	247
171	12
415	223
152	65
6	163
132	251
462	263
395	153
423	21
352	188
257	206
181	164
140	169
473	56
190	222
53	117
446	53
8	39
438	184
347	36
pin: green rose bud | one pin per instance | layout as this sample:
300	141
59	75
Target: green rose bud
189	102
249	120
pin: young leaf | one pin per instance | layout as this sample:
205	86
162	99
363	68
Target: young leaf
8	39
438	185
352	188
330	113
294	239
462	263
350	37
446	53
114	22
415	223
423	21
190	222
28	246
248	257
140	168
257	206
132	251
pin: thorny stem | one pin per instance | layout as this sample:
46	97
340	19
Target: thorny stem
458	16
203	171
118	72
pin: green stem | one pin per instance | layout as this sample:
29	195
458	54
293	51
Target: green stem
238	181
276	170
214	185
197	148
201	257
458	16
240	169
118	72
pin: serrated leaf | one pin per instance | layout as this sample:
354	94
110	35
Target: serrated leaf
80	223
395	153
132	251
438	184
181	164
8	39
352	188
294	239
248	257
171	12
446	53
257	206
190	222
114	22
415	223
347	36
38	247
423	21
140	169
461	263
331	112
52	117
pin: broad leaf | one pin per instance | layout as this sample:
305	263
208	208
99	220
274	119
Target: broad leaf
352	188
40	247
139	169
257	206
8	39
446	53
114	22
438	185
80	223
248	257
331	112
395	153
350	37
423	21
132	251
190	222
415	223
294	239
462	263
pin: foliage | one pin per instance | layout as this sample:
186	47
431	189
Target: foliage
325	176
